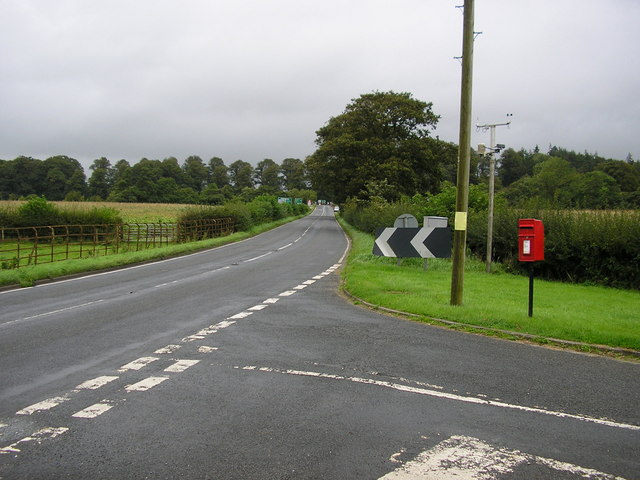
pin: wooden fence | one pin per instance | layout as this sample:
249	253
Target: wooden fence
24	246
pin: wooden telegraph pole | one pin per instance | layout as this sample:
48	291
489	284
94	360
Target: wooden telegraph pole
462	193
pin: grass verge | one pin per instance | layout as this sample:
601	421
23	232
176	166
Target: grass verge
28	276
578	313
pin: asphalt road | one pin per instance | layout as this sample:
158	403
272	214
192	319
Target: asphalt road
243	362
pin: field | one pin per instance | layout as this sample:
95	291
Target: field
131	212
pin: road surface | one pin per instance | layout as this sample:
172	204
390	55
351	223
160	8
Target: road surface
243	362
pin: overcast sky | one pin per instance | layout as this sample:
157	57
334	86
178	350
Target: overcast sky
251	79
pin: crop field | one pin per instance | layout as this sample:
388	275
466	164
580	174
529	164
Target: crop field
131	212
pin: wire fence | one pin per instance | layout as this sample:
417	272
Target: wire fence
23	246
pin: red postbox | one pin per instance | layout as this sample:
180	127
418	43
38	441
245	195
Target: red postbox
530	240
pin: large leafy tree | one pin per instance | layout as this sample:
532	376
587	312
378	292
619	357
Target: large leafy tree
380	137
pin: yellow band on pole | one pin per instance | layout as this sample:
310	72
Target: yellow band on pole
460	222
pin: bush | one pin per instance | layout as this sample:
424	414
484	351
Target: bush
37	211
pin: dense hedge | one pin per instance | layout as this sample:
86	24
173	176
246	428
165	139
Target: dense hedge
245	215
37	211
598	247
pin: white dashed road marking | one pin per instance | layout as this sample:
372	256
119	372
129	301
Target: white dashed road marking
167	349
146	384
137	364
38	437
96	383
181	366
47	404
93	411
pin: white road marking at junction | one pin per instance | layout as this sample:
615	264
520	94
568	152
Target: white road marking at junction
167	349
93	411
287	293
271	300
257	308
39	436
309	282
448	396
300	287
146	384
468	458
96	382
53	312
137	364
205	349
318	277
240	315
259	256
47	404
181	366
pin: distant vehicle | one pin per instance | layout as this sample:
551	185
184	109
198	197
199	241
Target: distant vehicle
336	208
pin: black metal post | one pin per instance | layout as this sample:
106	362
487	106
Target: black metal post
531	289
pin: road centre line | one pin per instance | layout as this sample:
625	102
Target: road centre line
259	256
258	307
53	312
448	396
285	246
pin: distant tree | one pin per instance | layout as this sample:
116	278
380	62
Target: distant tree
597	190
293	174
556	182
218	172
195	173
267	176
63	174
628	178
381	135
240	175
170	168
101	179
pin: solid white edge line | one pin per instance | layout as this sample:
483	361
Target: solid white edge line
449	396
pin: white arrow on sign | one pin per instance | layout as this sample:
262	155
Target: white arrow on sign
418	242
382	244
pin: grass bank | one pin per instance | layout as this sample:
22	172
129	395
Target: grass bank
28	276
587	314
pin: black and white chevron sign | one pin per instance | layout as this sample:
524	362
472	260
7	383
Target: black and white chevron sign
429	242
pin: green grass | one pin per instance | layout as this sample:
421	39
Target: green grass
28	276
588	314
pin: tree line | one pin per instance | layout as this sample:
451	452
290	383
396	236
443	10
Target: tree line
380	147
152	181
